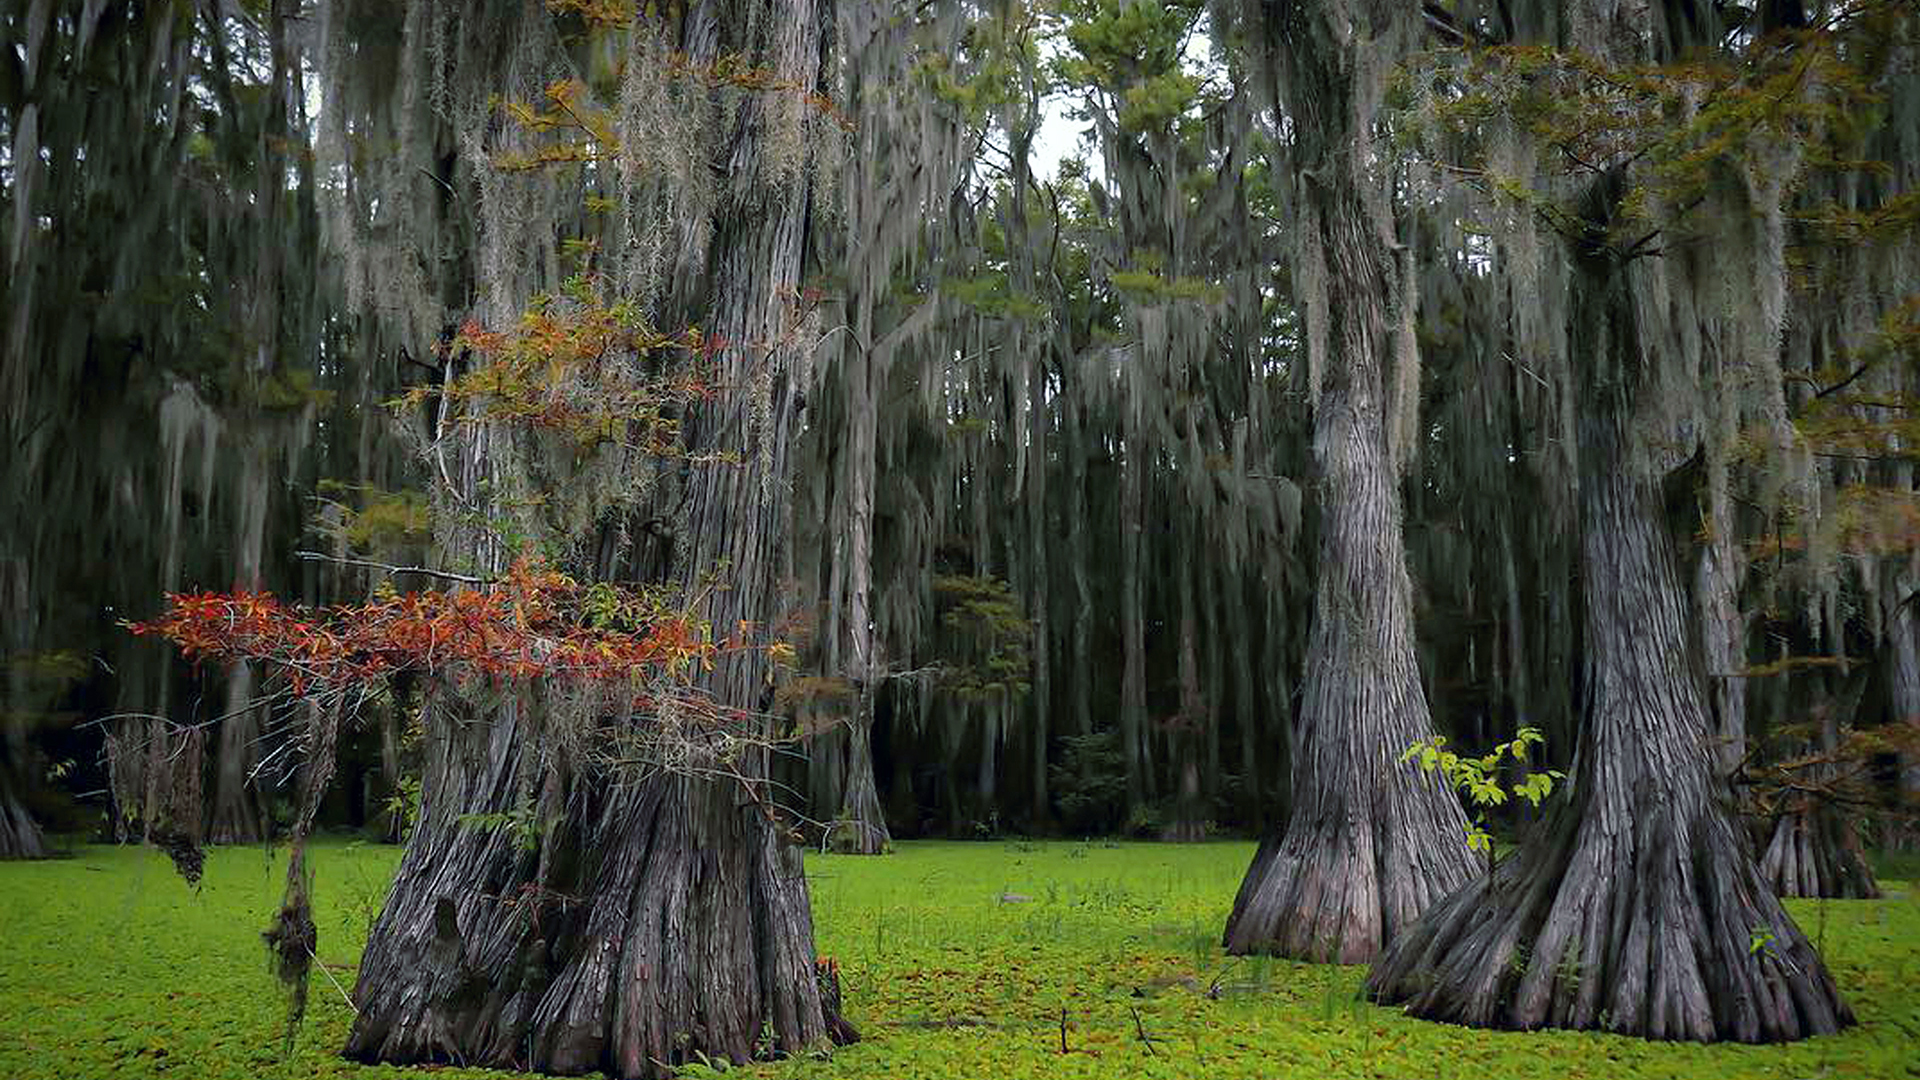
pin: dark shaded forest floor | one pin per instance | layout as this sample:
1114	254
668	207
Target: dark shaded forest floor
959	960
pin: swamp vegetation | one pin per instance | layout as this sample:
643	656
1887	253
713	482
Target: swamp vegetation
669	464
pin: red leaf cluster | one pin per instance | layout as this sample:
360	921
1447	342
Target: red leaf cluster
532	623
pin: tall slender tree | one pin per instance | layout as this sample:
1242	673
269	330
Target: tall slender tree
1368	846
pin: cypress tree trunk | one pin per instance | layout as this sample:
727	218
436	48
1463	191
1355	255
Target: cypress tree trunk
393	815
658	919
1369	844
1133	672
1245	706
237	815
19	834
1081	623
1189	809
664	916
1039	591
861	827
1640	909
1031	348
1723	635
1903	699
1815	852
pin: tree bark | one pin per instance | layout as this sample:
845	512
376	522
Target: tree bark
1022	119
1369	844
660	919
1640	910
1039	590
653	918
1246	707
1723	632
237	815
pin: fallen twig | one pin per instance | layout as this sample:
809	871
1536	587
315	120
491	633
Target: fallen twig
1140	1028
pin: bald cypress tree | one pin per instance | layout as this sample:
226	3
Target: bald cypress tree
600	877
1639	906
1368	846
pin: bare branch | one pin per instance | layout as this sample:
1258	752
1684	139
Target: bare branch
444	575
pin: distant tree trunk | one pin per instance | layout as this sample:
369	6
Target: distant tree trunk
19	834
1022	119
987	781
1369	844
1077	515
662	917
1723	632
1814	852
1189	810
1245	715
392	814
861	826
1904	706
237	817
1040	602
1640	910
1133	630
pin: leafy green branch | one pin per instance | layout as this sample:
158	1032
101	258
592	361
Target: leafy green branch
1478	778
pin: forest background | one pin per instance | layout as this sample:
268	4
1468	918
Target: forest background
1060	504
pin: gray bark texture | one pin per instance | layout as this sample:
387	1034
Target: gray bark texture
1640	909
1370	844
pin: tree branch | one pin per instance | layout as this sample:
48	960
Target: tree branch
444	575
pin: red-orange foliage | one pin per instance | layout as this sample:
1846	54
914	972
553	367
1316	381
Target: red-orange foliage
572	369
534	622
